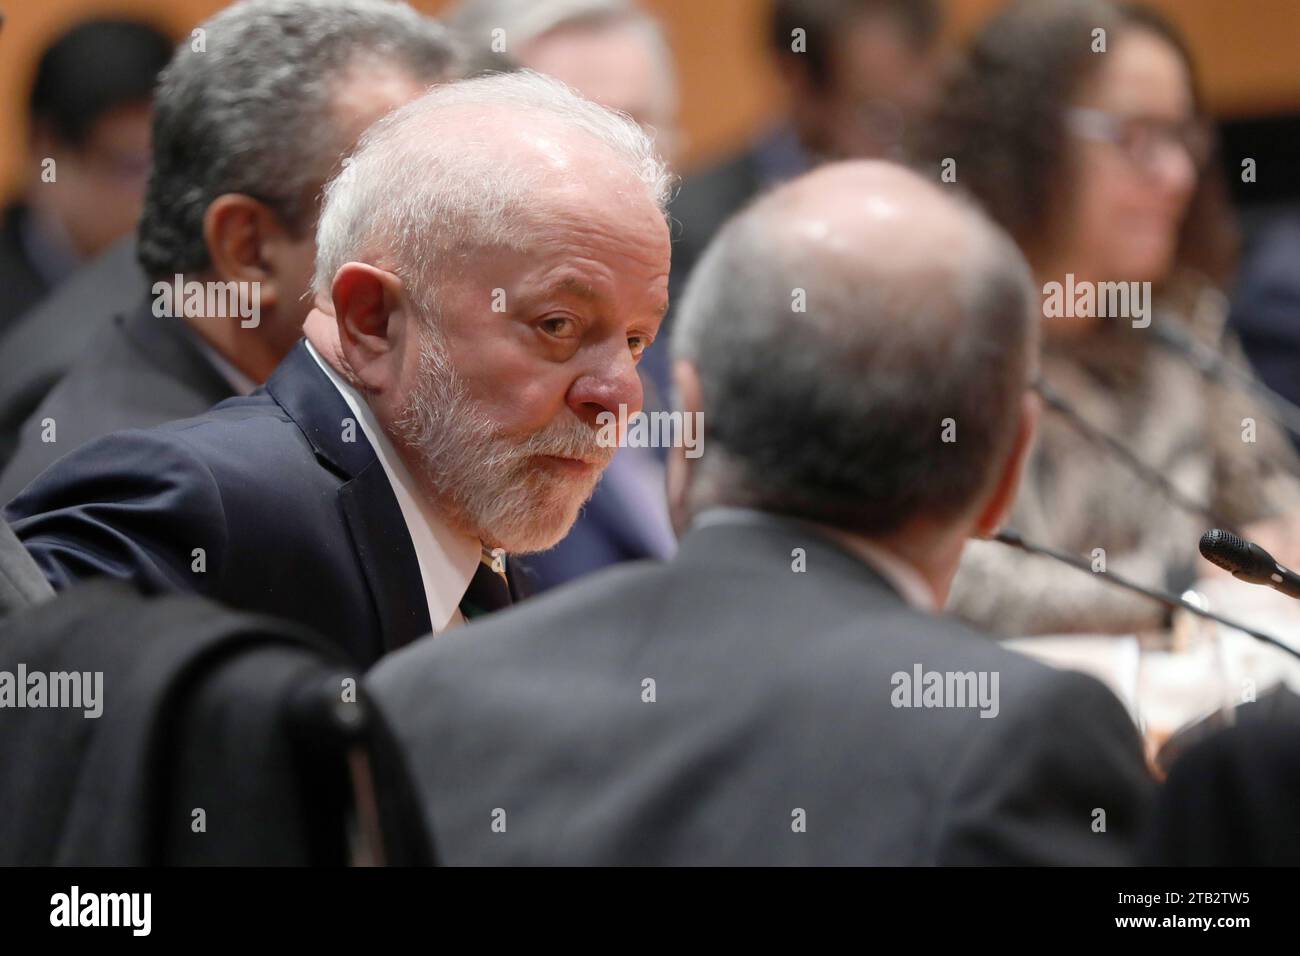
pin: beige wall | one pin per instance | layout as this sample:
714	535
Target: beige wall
1248	52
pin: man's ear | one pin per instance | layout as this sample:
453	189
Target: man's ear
365	302
239	232
690	399
998	505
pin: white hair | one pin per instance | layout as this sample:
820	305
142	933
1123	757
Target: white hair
426	180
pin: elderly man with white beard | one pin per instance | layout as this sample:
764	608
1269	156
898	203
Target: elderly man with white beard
491	263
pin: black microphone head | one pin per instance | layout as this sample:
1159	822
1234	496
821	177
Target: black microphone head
1230	552
1225	549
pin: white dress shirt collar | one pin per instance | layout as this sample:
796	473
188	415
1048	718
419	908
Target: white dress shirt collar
447	558
239	383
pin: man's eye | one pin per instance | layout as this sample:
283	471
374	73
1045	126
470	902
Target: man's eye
560	326
638	344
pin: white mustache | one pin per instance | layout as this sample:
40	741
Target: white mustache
567	439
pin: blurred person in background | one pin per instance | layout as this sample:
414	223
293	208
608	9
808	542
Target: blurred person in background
246	132
611	51
88	155
614	54
1100	164
859	76
1266	308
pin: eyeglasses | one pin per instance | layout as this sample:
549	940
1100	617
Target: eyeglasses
1142	139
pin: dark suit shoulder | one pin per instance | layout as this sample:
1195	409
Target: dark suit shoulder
251	448
240	442
132	505
240	414
44	341
677	712
19	277
115	384
1059	777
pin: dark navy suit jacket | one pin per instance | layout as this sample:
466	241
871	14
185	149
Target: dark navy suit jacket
292	518
1266	309
137	371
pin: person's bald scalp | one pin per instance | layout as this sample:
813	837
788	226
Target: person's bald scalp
836	324
873	221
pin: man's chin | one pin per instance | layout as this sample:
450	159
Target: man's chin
533	538
548	524
547	498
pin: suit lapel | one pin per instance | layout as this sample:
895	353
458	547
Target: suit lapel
316	407
386	556
380	539
168	344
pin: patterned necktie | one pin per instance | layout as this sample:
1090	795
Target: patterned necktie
489	590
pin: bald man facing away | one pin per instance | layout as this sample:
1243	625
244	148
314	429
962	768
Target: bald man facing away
785	690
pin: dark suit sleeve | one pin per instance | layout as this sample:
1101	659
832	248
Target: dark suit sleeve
1029	788
1265	304
135	505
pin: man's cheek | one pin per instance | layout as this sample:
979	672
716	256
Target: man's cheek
531	408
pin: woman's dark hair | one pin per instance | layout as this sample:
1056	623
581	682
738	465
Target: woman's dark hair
1002	118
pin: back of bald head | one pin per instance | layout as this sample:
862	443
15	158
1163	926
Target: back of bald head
863	340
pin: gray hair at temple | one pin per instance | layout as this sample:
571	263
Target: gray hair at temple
421	185
244	107
836	413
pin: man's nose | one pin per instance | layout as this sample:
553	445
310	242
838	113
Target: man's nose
609	380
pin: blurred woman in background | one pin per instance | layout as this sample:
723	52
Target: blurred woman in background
1079	127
